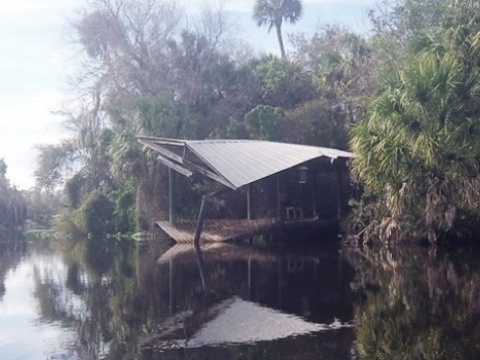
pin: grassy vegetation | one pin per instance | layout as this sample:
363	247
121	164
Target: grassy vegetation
39	234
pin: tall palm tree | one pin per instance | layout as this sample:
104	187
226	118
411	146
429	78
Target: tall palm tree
274	12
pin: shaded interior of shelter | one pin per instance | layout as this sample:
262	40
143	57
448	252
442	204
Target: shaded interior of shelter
306	289
304	195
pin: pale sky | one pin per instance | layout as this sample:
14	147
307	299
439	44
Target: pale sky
34	65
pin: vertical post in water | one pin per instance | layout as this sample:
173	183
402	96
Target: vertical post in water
198	230
171	196
201	265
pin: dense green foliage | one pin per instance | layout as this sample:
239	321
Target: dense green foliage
13	206
97	213
418	143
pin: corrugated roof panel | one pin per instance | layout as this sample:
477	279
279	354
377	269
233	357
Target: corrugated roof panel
245	161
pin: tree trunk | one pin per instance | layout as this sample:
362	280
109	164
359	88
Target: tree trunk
280	40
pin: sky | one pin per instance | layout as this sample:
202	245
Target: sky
35	64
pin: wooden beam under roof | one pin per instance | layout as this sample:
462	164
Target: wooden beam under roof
164	152
210	174
178	168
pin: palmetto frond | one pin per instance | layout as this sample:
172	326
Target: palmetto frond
418	146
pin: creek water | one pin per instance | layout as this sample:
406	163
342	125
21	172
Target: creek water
304	299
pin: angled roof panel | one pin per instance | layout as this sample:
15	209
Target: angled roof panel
241	162
245	161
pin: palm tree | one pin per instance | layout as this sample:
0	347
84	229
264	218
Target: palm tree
273	12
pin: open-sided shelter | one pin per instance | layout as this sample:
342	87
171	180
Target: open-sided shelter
292	171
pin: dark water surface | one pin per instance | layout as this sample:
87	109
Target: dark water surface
303	300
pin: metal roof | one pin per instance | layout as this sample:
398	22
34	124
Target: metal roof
236	163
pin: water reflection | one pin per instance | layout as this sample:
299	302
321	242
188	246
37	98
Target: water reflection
111	300
102	299
279	295
256	277
11	252
417	303
23	335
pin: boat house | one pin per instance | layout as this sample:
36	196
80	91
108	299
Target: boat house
282	184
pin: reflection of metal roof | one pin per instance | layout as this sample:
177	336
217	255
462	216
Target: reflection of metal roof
233	321
241	321
235	163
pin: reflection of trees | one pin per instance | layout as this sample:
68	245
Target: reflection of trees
82	314
418	304
87	296
11	254
414	304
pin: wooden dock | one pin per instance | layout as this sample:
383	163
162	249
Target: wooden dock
215	230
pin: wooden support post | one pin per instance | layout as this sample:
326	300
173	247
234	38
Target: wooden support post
339	195
201	214
279	198
171	196
249	202
314	195
201	217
